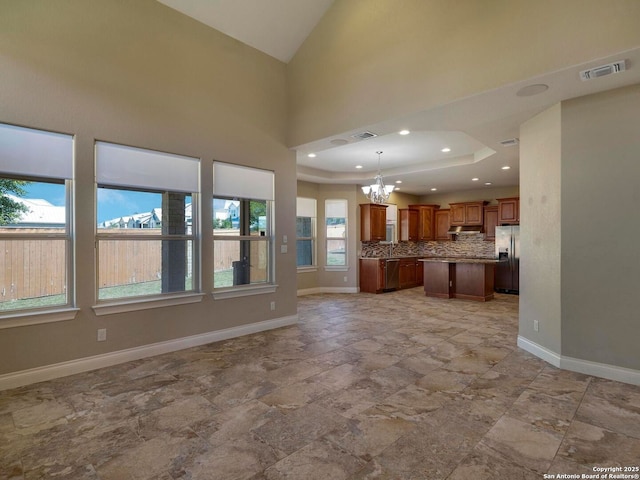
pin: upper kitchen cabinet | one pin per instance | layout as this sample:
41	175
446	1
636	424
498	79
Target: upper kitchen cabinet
443	221
490	222
509	211
467	213
373	222
426	221
409	225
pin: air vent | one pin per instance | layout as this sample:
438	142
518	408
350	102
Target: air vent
510	142
603	70
364	135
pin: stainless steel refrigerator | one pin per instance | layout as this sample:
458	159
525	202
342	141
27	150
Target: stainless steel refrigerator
508	250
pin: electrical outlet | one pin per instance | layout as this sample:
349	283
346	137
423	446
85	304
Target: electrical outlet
273	306
536	325
102	334
345	278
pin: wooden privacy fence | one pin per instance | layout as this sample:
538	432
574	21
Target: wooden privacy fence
36	268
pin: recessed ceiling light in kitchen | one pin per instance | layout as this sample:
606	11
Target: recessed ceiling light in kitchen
475	179
506	167
311	155
445	150
404	132
358	166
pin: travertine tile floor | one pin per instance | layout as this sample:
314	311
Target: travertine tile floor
394	386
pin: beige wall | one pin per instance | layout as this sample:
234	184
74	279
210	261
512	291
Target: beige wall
141	74
540	229
369	60
486	194
601	227
579	228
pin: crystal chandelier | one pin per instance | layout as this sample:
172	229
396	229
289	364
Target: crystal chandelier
378	192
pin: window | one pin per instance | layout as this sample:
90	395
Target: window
242	226
147	218
336	231
35	220
305	232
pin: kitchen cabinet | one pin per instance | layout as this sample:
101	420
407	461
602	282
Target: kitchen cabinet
409	225
509	211
443	221
490	222
426	221
408	275
372	273
467	213
373	222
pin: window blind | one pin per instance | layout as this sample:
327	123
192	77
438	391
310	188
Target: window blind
237	181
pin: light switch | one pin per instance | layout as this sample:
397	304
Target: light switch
283	249
284	239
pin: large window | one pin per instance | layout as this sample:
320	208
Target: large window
336	231
242	226
305	232
147	220
35	220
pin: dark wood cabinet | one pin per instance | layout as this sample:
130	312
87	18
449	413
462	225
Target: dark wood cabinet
409	225
443	222
372	275
490	222
373	222
467	213
426	221
408	274
509	211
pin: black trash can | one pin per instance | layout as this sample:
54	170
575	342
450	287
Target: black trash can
240	272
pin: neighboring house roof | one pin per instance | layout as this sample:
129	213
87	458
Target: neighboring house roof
150	219
40	213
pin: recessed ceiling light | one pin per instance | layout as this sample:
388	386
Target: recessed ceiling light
530	90
475	179
487	183
506	167
396	189
404	132
398	181
358	166
434	189
312	155
445	150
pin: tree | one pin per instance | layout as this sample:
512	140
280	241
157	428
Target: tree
10	210
257	209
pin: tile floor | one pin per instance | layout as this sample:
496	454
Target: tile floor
393	386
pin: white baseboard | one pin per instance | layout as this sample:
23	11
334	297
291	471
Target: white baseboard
311	291
587	367
49	372
539	351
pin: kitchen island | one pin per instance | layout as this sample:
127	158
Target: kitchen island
468	278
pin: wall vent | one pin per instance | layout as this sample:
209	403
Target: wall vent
364	135
510	142
603	70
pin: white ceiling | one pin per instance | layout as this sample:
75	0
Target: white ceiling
472	127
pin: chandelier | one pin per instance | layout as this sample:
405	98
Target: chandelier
378	192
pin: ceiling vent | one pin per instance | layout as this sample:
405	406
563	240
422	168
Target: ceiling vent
603	70
510	142
364	135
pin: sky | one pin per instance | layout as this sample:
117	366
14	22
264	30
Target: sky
112	203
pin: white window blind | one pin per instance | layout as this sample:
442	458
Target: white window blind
119	165
335	208
305	207
25	151
237	181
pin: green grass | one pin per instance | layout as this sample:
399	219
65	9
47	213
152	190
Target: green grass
222	278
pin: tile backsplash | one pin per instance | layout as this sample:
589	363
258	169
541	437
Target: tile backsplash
469	245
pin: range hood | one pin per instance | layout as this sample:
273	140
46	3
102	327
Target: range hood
464	229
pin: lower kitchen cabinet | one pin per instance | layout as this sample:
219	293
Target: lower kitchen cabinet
373	273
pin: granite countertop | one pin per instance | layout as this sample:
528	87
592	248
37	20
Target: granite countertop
459	260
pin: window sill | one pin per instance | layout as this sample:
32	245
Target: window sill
146	304
307	269
243	291
21	319
331	268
